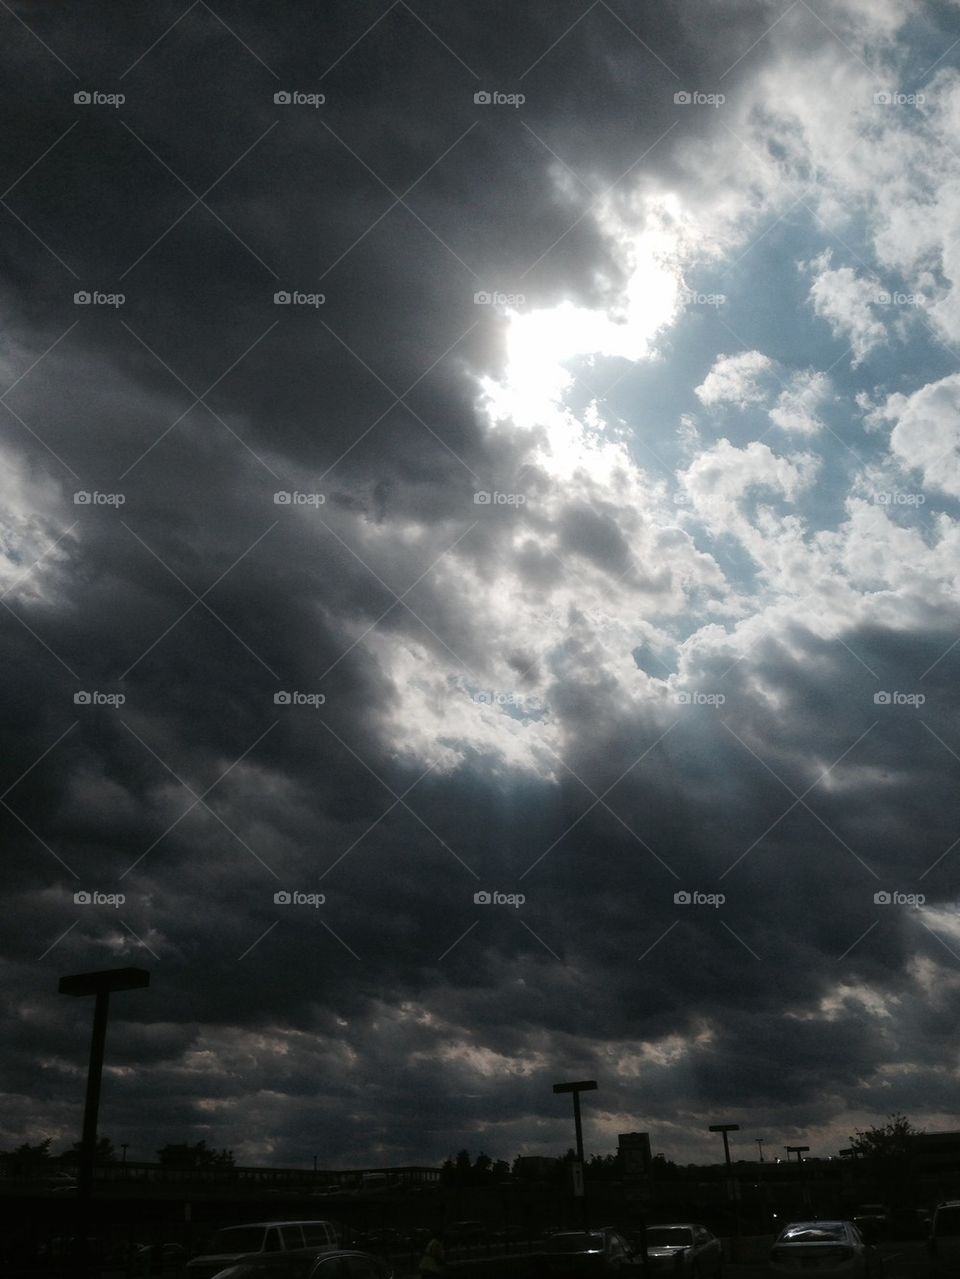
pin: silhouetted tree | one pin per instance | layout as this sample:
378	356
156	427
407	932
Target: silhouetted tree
26	1158
889	1142
885	1150
459	1171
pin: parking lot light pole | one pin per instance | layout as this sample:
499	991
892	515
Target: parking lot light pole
800	1151
99	984
583	1085
724	1129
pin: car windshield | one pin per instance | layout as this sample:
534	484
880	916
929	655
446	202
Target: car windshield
669	1237
576	1243
814	1234
237	1239
315	1233
948	1221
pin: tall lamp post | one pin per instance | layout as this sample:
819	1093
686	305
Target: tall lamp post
579	1186
99	984
725	1128
800	1151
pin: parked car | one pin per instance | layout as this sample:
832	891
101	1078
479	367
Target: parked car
236	1243
310	1263
685	1248
943	1242
831	1248
907	1223
603	1251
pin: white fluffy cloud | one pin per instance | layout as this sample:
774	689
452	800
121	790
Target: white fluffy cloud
796	409
926	432
845	299
735	379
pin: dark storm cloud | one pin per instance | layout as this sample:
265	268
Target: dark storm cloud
307	399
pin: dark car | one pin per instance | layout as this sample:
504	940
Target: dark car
310	1263
684	1248
834	1249
603	1251
874	1226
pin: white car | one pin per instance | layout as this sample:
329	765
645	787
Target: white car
684	1248
828	1249
236	1243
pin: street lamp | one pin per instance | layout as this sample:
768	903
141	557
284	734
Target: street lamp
725	1128
583	1085
99	984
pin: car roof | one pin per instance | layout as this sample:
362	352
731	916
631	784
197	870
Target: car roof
571	1234
949	1203
816	1225
316	1221
675	1225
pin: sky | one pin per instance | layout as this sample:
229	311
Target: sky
479	552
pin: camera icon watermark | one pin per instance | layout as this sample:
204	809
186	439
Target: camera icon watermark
494	898
84	898
296	898
295	98
897	497
83	497
487	297
883	297
896	698
93	97
296	698
486	498
688	98
296	297
690	297
891	98
296	498
95	698
493	98
895	898
93	297
684	898
696	697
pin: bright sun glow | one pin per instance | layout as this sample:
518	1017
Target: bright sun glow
541	344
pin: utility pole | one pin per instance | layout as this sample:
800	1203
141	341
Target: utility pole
579	1185
760	1141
